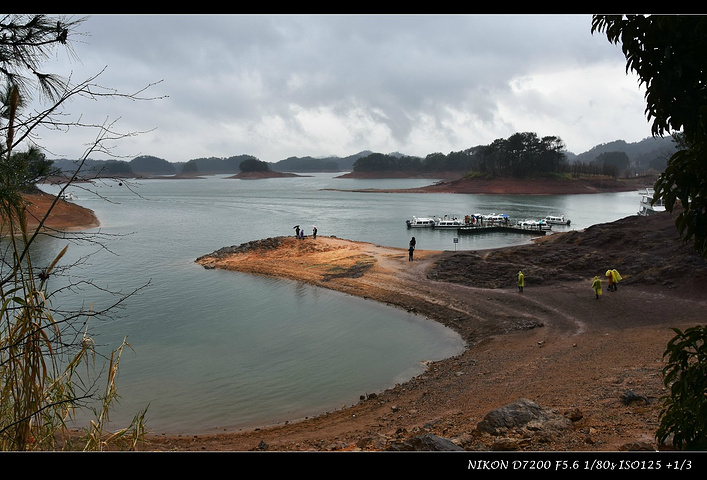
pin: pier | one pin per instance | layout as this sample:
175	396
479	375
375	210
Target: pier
500	228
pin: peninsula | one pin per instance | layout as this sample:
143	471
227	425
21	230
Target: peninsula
554	343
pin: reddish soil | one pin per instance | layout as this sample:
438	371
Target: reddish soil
516	186
64	215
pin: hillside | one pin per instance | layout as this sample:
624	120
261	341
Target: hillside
639	153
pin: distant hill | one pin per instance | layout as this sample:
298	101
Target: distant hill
644	155
650	153
149	165
306	164
322	164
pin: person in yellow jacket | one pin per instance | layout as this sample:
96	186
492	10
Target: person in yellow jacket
596	285
617	278
521	281
613	277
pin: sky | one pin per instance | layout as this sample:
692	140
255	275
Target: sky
276	86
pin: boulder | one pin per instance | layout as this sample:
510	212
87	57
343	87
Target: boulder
522	413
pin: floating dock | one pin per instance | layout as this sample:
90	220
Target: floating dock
500	228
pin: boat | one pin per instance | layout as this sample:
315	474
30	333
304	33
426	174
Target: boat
69	196
557	220
421	222
647	206
449	221
535	225
495	219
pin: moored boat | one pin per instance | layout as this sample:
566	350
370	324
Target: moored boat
449	221
557	220
535	225
420	222
647	206
495	219
69	196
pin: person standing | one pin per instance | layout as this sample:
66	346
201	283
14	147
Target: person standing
521	281
596	285
411	251
296	227
314	231
616	277
610	278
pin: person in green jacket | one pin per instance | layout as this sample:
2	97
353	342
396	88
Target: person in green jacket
596	285
521	281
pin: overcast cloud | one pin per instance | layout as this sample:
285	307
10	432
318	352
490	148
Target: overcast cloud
276	86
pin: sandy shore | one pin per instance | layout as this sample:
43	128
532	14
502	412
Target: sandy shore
554	343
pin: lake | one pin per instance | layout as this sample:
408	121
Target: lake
215	350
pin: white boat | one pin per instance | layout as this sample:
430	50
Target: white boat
557	220
646	206
495	219
69	196
421	222
535	225
449	221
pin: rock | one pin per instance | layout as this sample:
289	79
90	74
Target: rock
427	442
574	415
520	414
262	446
638	446
509	444
631	396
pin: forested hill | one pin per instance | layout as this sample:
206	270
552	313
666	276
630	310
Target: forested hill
650	153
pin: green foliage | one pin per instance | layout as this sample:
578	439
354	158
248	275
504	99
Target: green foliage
614	159
521	154
667	52
379	162
190	167
149	164
684	414
253	165
116	167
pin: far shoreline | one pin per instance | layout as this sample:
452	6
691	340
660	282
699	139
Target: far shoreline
511	185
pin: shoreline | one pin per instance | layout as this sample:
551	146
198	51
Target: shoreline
554	343
65	216
516	186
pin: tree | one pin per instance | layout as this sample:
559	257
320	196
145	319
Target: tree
523	154
41	384
618	160
667	52
253	165
684	414
26	169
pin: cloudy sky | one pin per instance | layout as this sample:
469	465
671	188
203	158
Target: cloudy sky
276	86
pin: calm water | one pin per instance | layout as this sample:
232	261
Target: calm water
216	350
